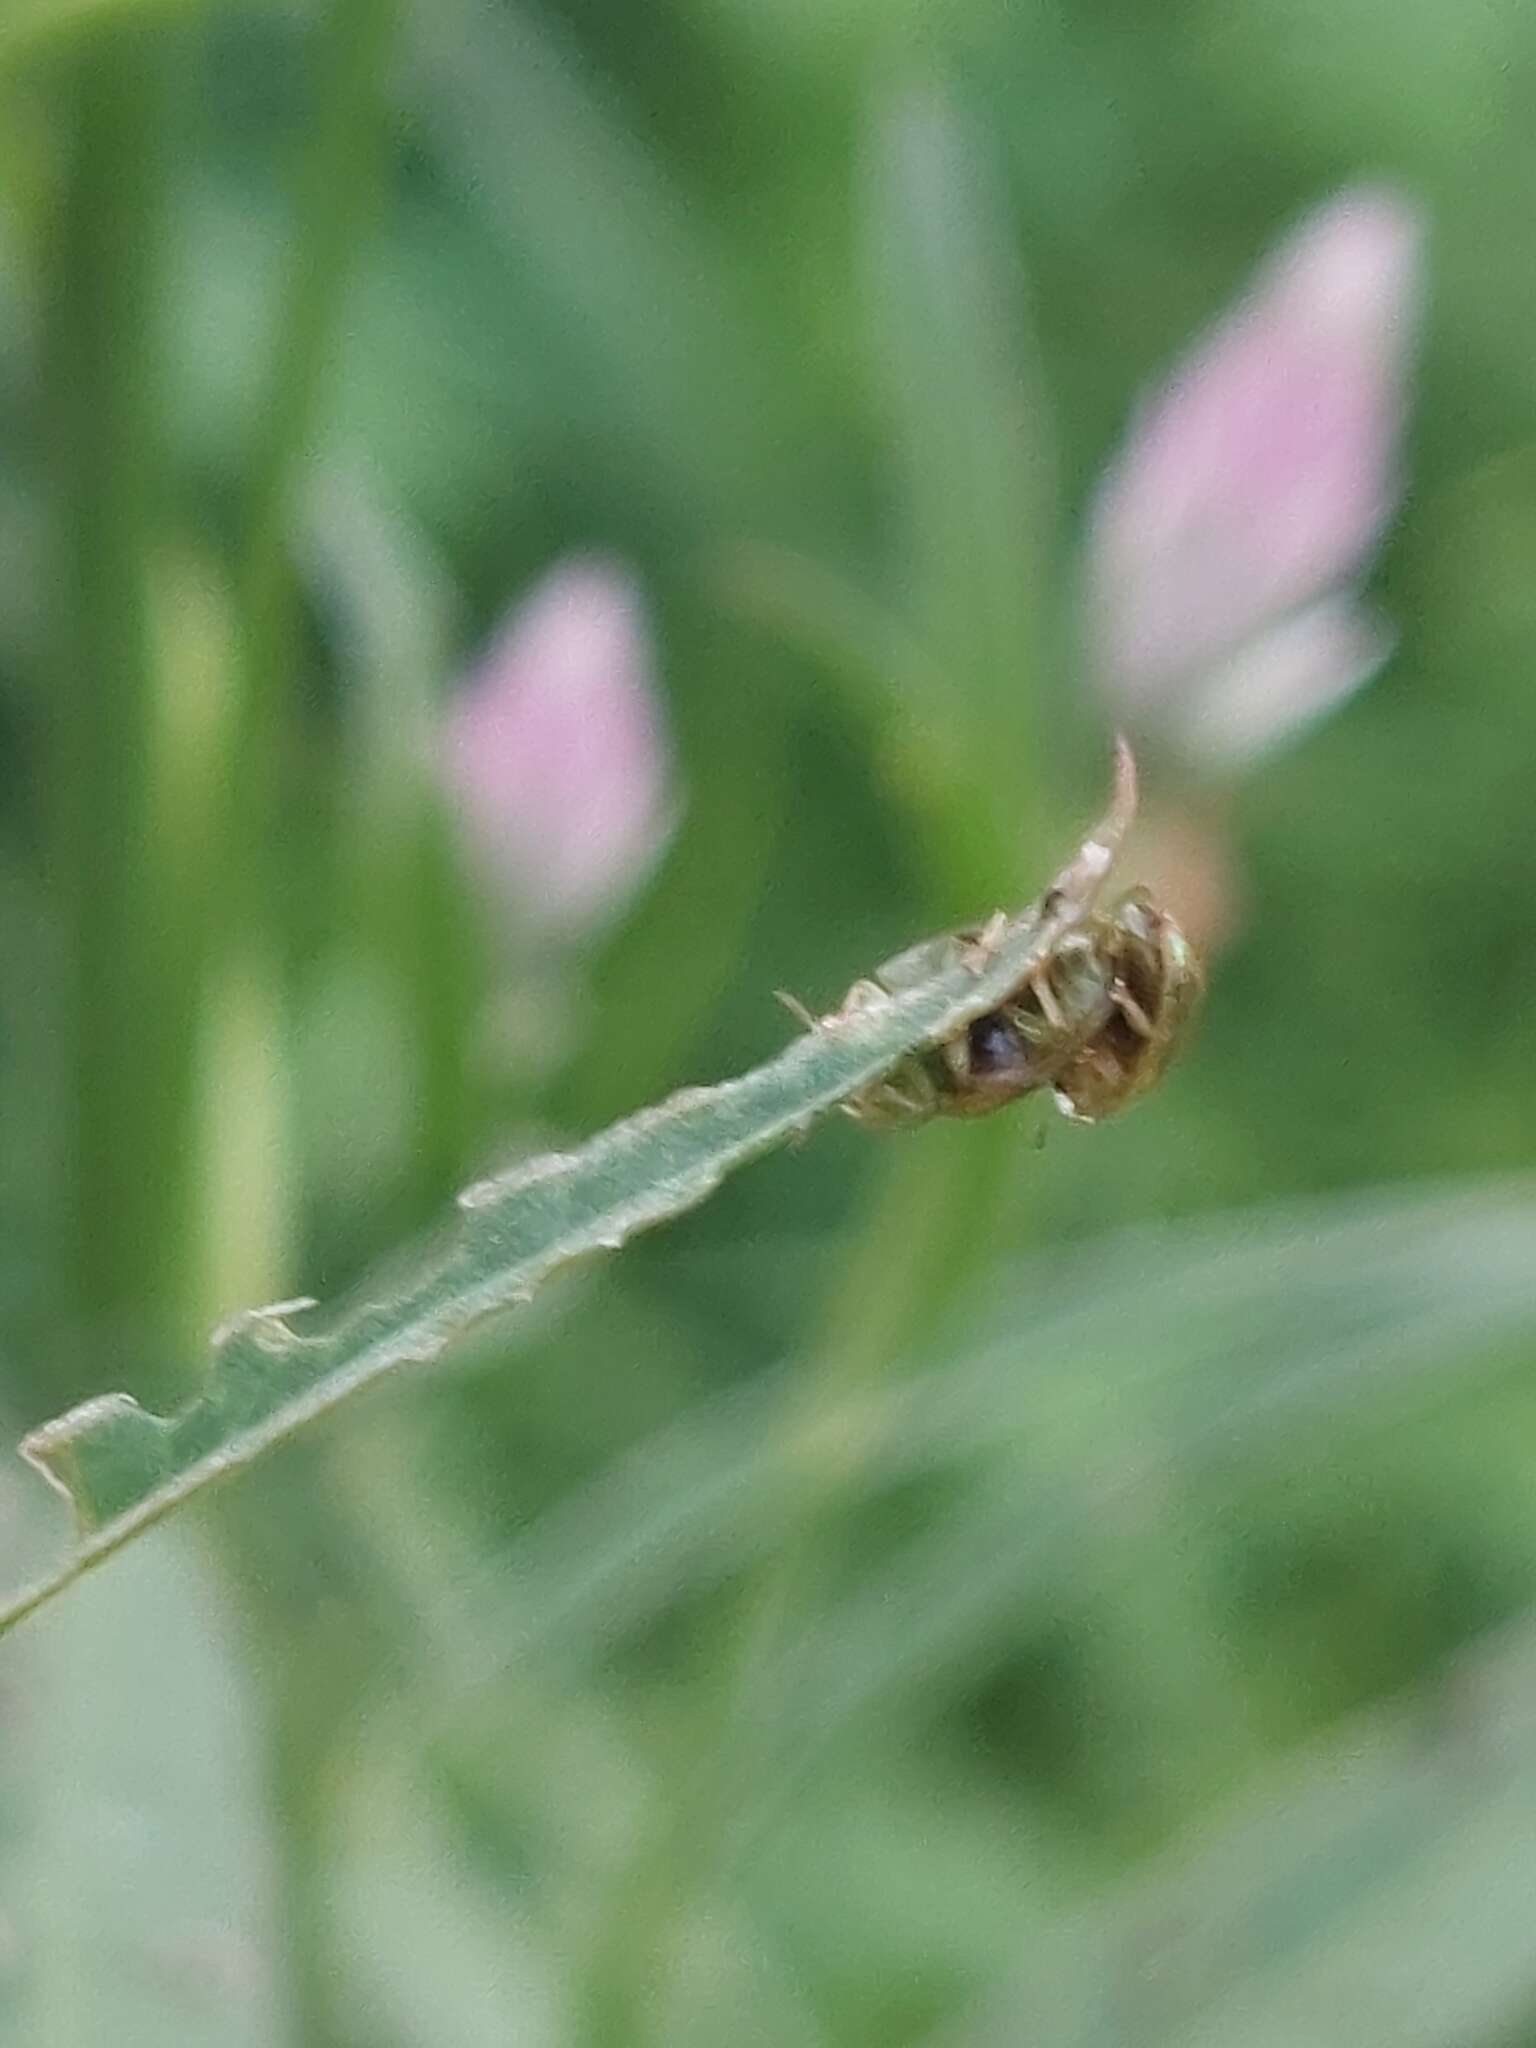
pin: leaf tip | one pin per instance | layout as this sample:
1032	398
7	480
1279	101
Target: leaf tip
101	1456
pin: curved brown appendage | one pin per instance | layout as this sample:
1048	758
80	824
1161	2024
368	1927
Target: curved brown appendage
978	948
1130	1009
806	1019
1072	892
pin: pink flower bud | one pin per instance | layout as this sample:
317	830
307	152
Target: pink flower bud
555	754
1252	491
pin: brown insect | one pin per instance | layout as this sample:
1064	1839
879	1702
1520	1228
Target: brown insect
1097	1021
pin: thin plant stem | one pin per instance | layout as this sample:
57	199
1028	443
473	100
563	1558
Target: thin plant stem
124	1137
339	178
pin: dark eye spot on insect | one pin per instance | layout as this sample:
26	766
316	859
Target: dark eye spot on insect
993	1044
1103	1006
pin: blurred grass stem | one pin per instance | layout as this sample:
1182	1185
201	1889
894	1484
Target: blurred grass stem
338	183
122	1146
338	186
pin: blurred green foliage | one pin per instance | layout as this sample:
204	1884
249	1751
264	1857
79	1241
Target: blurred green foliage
941	1591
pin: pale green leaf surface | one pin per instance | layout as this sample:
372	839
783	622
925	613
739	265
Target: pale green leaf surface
122	1467
433	1950
1375	1894
441	1944
137	1877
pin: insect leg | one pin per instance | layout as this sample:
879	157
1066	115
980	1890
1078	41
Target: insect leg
981	947
1130	1009
1040	988
802	1016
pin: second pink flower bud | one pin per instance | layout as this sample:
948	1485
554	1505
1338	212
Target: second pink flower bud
556	756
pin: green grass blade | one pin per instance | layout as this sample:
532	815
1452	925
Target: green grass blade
339	178
1238	1346
121	1141
123	1468
1386	1300
970	440
662	360
136	1861
35	26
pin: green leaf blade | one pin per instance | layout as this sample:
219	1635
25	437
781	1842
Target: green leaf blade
122	1468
